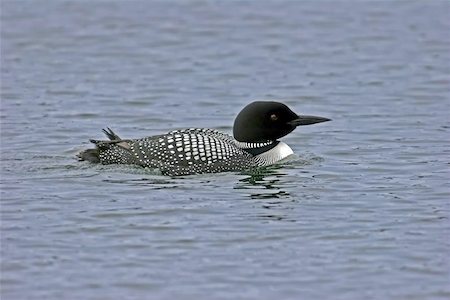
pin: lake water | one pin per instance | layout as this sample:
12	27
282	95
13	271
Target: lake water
362	213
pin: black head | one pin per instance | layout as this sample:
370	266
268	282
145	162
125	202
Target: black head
262	121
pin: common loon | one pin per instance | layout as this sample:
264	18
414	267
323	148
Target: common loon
256	131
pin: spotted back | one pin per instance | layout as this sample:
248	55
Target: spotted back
191	151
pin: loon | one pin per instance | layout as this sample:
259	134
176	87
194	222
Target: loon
256	131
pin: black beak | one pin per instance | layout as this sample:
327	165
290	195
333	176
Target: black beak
307	120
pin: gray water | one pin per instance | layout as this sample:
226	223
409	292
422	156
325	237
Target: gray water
362	213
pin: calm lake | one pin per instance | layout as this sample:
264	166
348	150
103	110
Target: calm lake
361	213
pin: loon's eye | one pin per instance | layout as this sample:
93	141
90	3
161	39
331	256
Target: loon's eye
273	117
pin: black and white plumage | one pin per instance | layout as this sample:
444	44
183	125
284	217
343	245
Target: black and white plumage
199	150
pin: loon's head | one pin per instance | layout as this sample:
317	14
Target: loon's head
262	121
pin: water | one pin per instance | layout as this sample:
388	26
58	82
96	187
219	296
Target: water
362	213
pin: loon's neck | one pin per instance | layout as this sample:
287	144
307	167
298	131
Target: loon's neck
274	155
269	153
259	149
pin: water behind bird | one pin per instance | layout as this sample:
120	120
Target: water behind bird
362	212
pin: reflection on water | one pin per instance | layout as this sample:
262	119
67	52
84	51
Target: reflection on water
263	183
273	182
257	177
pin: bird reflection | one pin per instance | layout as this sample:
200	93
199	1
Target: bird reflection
264	182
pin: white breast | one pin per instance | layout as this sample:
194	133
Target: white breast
274	155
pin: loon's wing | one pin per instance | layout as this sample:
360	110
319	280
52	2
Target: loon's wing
180	152
191	151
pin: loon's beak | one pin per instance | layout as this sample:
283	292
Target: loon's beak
307	120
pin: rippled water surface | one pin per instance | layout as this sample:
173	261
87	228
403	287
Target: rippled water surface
363	213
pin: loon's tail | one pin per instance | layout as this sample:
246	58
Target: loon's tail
111	134
93	155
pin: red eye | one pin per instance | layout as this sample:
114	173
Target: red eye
273	117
